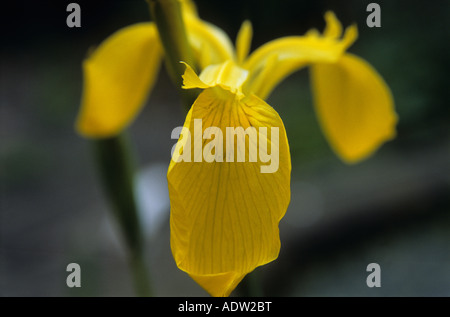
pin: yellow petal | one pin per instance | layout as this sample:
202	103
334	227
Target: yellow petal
354	106
243	41
191	80
276	60
210	44
188	9
275	70
333	28
117	79
224	215
227	75
221	284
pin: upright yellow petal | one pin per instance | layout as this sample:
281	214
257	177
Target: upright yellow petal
333	28
354	106
210	44
243	41
117	79
276	60
188	9
226	202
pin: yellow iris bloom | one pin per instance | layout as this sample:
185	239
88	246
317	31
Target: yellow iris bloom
225	215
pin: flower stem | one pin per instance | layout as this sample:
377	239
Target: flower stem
168	17
116	170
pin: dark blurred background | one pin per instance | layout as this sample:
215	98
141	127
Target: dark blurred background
392	209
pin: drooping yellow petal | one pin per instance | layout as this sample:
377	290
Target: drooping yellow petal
243	41
275	60
117	79
354	106
226	202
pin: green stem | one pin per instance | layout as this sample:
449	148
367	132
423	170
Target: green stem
168	17
140	275
116	170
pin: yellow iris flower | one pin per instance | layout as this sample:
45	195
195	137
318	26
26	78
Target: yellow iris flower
225	214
